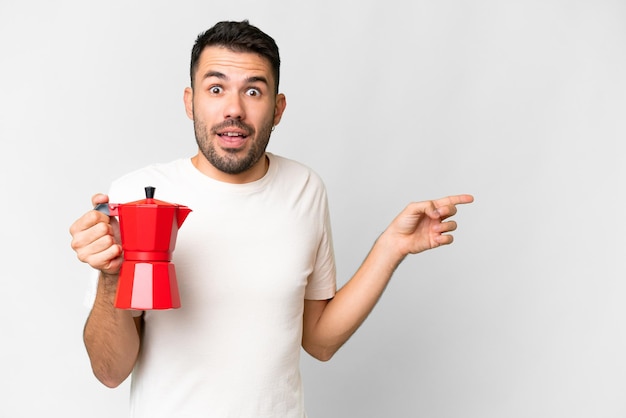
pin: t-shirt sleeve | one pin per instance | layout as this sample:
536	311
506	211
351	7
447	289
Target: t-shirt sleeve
322	283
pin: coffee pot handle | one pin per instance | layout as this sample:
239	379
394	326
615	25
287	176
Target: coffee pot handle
109	209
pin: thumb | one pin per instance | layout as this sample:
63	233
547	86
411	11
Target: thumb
431	210
99	198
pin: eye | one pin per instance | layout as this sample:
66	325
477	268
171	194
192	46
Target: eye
253	92
215	90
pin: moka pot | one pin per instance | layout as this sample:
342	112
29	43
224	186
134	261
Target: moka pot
148	230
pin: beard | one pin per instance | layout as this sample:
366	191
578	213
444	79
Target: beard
231	163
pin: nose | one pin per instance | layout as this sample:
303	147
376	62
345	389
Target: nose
234	107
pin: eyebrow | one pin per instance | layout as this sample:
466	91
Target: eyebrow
222	76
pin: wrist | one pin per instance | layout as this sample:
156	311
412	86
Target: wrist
387	247
109	280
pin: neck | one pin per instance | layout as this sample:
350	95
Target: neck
256	172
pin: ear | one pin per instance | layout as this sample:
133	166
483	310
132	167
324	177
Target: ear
188	99
279	108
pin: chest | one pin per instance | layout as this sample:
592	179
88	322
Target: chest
247	247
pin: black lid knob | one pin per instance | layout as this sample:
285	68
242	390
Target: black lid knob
149	192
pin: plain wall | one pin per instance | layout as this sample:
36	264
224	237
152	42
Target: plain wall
520	103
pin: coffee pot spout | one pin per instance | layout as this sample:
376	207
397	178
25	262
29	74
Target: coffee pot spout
182	213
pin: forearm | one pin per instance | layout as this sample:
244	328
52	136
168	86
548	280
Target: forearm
352	304
111	336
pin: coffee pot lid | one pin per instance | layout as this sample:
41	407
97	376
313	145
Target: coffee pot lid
150	200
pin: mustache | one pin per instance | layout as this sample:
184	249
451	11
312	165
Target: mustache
232	123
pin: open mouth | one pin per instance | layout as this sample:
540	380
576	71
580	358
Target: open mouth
232	139
232	135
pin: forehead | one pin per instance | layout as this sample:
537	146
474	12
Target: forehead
235	65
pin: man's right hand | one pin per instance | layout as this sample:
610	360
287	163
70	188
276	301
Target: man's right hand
96	239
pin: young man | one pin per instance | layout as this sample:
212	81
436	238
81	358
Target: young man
254	260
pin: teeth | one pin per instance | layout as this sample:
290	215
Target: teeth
232	134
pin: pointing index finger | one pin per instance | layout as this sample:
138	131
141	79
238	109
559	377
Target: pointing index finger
458	199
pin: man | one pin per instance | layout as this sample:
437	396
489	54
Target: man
254	260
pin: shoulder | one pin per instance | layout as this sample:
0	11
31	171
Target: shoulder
294	183
293	170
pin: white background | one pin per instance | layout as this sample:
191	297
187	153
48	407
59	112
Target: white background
521	103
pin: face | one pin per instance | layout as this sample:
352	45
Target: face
234	107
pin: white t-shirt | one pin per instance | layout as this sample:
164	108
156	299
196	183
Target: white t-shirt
246	257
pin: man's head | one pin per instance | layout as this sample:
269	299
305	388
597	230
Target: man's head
238	37
234	101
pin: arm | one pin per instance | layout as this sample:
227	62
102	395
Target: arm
419	227
112	336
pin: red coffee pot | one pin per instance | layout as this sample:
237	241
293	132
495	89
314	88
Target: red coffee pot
148	229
